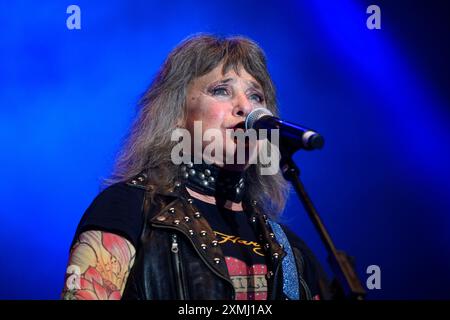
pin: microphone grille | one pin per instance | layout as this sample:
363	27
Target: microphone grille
256	114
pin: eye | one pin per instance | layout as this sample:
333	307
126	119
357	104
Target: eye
219	91
257	97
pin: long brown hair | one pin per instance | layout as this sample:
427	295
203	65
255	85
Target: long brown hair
148	145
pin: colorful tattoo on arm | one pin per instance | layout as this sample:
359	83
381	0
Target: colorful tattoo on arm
99	265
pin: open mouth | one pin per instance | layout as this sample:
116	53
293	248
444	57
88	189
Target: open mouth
239	135
240	125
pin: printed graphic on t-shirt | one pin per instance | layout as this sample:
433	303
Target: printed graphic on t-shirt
249	281
225	238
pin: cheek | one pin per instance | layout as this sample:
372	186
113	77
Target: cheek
215	115
211	113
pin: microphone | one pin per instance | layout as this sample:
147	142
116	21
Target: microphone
292	135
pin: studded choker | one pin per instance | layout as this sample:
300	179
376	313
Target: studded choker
213	181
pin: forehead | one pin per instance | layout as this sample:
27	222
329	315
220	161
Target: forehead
230	76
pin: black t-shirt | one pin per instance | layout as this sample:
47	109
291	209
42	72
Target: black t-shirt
118	209
243	252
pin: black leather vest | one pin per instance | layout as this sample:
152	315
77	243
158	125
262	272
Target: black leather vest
179	258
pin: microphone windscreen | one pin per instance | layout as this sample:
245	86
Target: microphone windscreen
256	114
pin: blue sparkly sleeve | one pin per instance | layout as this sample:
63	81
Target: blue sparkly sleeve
313	273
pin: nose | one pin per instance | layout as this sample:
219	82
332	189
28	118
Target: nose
242	106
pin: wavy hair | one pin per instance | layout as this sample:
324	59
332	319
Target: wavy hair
148	145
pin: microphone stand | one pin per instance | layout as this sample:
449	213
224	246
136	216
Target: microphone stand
347	284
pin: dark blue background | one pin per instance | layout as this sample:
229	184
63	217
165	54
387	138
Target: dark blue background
380	98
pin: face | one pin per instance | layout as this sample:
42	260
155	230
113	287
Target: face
222	101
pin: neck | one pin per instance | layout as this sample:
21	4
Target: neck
230	205
214	182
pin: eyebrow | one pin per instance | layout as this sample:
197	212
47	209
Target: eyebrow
252	83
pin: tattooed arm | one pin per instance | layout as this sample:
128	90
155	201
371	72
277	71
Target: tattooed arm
99	265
